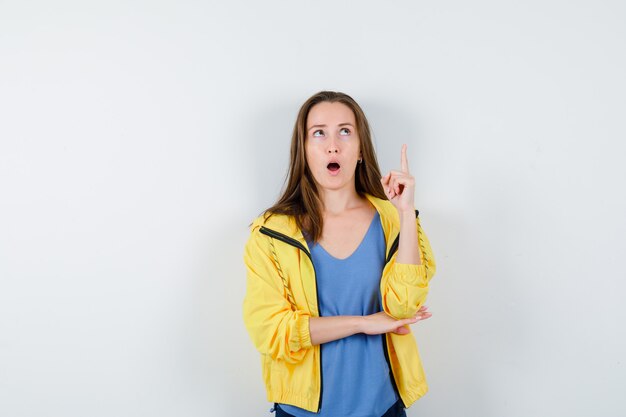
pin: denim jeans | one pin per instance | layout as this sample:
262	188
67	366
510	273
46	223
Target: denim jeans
395	410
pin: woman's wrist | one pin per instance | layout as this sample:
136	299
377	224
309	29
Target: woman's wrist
357	324
407	215
360	324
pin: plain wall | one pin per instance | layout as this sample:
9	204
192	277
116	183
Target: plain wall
139	139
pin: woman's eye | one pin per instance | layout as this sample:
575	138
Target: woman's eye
346	130
318	133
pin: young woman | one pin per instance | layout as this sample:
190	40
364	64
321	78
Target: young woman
336	271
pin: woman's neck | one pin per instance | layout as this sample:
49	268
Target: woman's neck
338	201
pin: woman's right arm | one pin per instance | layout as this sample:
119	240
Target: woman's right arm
283	333
327	329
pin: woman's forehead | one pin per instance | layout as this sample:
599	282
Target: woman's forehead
327	113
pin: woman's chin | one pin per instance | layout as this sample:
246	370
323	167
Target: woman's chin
335	185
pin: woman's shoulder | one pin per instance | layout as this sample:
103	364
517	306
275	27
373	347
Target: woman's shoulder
384	207
277	222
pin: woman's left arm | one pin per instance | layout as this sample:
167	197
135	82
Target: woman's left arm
414	264
399	187
408	246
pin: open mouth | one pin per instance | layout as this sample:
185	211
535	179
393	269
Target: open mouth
333	167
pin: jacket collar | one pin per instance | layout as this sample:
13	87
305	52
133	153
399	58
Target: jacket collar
287	226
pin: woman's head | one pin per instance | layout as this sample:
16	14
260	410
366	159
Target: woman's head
332	146
330	129
331	106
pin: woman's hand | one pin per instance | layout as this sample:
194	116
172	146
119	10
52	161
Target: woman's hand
380	323
399	186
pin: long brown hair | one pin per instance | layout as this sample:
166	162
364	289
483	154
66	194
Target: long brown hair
300	197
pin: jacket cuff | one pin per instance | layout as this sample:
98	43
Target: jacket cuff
304	332
411	274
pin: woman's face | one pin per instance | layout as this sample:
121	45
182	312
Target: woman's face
332	145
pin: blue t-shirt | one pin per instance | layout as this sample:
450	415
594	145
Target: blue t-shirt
356	378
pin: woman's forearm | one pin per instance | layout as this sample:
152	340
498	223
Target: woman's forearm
327	329
408	247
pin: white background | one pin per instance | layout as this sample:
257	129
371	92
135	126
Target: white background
139	139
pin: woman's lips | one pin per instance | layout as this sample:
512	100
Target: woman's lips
333	168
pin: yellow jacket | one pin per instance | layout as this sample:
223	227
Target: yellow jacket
281	295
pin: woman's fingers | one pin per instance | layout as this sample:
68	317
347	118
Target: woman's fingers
381	322
410	320
385	180
401	326
423	316
398	173
400	176
388	186
395	181
401	330
404	162
423	313
398	183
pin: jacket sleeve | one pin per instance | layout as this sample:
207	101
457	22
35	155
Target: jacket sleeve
276	328
407	286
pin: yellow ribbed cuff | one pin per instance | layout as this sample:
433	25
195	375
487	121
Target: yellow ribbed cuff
304	332
411	274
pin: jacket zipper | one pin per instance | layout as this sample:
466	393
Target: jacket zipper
394	248
392	251
293	242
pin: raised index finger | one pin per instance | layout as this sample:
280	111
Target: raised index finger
404	162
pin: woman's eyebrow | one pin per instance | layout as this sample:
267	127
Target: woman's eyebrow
340	124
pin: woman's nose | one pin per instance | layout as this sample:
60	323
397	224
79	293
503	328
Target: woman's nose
332	146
